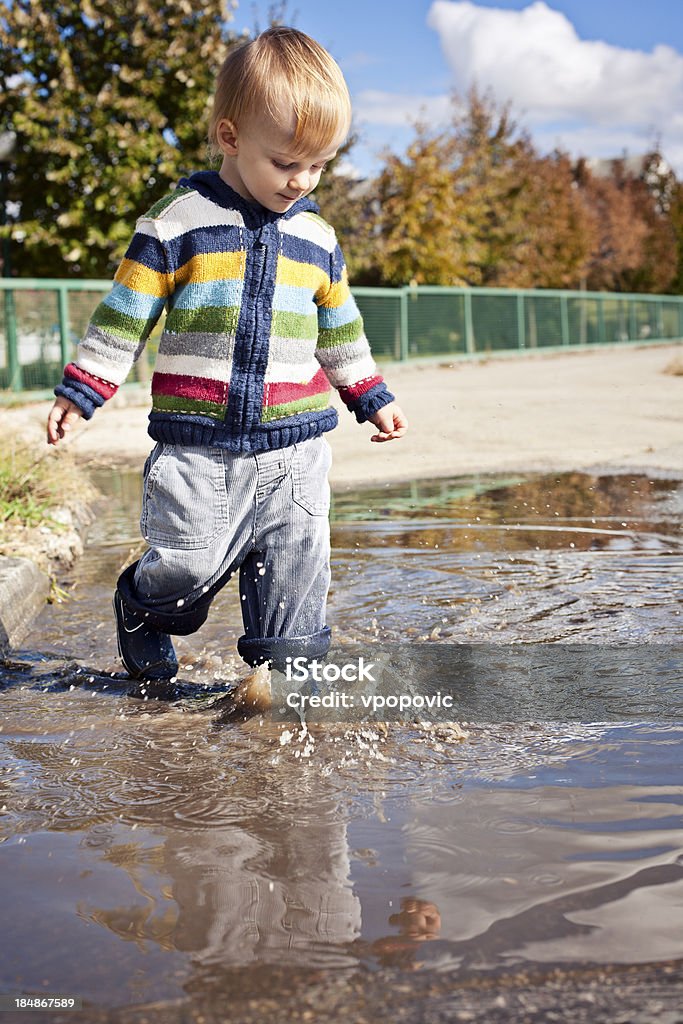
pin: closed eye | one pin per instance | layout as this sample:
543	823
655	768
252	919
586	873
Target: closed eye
292	167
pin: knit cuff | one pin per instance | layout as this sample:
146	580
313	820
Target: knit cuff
81	395
367	404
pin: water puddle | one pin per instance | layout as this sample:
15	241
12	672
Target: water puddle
152	858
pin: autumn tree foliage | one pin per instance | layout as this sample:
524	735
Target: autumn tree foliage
422	236
634	247
559	232
109	101
491	175
676	217
475	205
617	236
650	194
449	209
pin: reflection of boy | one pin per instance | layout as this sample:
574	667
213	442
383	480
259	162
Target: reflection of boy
260	323
418	922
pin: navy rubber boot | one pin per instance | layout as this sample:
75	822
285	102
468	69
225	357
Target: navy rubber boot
145	652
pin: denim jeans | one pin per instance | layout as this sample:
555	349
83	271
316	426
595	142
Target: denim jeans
207	513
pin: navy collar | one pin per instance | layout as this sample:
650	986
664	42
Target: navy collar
210	185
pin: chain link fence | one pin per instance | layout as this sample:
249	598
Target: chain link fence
405	323
41	322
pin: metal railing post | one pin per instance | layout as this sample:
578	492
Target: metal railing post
469	323
602	337
564	320
521	326
64	337
16	381
403	317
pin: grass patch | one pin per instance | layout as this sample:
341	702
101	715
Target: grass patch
23	499
44	501
29	485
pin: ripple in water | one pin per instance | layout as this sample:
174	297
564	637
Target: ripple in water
129	824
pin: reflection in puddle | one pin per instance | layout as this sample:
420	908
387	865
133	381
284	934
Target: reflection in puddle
549	559
183	861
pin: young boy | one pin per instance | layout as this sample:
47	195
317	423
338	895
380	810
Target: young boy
260	322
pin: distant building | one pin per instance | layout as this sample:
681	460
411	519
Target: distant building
641	165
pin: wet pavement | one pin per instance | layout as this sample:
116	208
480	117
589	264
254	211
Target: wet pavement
162	867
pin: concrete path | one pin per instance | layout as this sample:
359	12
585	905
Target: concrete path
614	408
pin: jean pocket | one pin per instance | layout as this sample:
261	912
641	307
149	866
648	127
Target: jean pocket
310	466
185	501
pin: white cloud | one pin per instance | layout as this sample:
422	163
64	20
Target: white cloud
348	169
596	140
589	98
535	58
372	106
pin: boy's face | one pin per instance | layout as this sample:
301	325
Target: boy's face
258	163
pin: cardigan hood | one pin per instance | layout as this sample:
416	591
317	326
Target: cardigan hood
210	185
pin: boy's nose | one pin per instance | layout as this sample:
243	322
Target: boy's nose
300	182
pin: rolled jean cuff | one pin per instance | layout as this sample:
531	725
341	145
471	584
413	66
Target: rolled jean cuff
180	622
276	649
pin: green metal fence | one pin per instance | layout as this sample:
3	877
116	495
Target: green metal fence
404	323
41	322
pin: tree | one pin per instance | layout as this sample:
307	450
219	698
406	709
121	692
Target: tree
110	103
421	230
676	215
651	194
451	210
475	204
492	180
559	231
635	245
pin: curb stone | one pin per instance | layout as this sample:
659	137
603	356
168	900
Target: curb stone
24	589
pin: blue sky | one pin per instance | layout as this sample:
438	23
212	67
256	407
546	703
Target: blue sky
597	78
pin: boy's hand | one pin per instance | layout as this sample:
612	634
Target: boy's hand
391	422
63	415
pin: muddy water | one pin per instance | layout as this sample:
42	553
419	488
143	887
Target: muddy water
161	867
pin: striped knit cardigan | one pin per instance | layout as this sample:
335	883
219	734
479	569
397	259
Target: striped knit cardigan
260	322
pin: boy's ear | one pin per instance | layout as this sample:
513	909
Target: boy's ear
226	134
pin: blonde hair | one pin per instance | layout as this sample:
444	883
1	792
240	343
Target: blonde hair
283	70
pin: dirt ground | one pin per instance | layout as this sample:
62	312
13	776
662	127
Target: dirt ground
616	408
